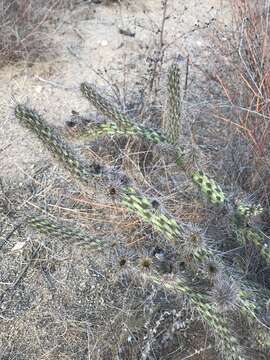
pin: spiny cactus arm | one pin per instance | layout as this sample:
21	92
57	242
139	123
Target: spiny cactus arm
244	234
95	130
149	211
172	116
50	138
51	228
208	187
227	342
121	120
262	338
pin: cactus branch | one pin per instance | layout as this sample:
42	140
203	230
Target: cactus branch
172	116
216	322
49	227
123	122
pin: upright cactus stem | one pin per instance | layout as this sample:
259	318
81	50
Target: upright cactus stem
172	115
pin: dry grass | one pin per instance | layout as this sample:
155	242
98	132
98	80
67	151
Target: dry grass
243	75
24	28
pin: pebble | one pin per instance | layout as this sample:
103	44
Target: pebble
38	89
104	43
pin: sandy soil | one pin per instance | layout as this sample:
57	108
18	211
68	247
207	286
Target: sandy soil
54	321
88	41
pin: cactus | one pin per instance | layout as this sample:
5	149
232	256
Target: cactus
123	122
48	227
172	115
209	188
188	241
218	324
59	148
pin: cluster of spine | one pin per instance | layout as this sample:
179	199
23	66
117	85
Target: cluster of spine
149	210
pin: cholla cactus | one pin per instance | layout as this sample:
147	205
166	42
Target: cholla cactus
209	188
54	229
248	211
123	122
218	324
172	114
188	241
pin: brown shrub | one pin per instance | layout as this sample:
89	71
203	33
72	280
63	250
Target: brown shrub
23	28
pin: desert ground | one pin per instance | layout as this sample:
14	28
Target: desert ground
63	300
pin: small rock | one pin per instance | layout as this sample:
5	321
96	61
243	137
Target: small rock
18	246
104	43
38	89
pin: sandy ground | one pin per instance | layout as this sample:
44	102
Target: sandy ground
89	46
88	42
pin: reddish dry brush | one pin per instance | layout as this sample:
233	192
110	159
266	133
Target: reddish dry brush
242	73
254	71
254	76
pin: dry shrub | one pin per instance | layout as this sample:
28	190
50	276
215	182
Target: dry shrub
242	73
23	28
253	72
254	77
